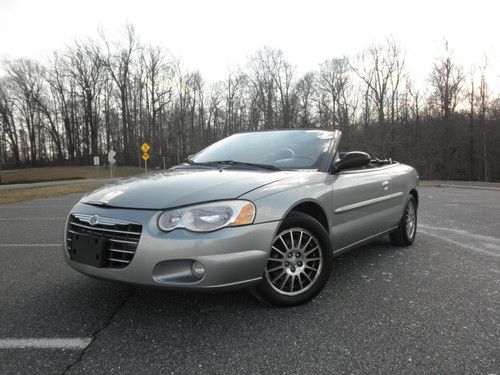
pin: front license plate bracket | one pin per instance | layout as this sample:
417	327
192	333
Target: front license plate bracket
89	250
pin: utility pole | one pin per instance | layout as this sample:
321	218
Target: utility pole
2	160
111	161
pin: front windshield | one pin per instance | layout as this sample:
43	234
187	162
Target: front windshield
289	149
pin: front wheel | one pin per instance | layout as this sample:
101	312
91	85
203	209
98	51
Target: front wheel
299	263
407	229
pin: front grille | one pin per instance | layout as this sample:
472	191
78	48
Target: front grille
121	237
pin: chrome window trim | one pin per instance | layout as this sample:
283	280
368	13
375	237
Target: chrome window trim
366	170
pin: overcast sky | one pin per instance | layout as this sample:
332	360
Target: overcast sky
215	35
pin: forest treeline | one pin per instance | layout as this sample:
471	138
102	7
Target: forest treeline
100	94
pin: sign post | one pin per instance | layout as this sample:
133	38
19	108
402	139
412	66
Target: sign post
96	163
145	156
112	161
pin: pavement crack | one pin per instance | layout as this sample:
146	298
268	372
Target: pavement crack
96	333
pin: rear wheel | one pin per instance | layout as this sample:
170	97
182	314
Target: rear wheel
407	229
299	263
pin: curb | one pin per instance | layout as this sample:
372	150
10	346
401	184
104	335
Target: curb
475	187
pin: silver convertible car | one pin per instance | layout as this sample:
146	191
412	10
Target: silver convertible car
266	210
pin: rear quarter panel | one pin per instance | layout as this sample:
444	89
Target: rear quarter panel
404	179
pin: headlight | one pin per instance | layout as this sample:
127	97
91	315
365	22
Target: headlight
208	217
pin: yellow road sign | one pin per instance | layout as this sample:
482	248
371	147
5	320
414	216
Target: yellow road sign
145	156
145	148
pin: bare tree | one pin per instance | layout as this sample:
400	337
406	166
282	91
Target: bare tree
158	90
381	68
305	89
283	75
483	103
333	82
7	120
446	79
58	78
98	94
264	87
119	65
27	79
471	95
85	66
234	88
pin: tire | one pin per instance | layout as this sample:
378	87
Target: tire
405	234
309	265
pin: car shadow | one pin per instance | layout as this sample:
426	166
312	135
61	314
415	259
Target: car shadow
80	297
345	266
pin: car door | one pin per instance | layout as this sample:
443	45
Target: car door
362	206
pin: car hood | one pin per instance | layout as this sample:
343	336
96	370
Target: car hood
180	187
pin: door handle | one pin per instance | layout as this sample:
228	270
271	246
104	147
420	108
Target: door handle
385	185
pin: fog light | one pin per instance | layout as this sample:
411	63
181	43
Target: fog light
197	269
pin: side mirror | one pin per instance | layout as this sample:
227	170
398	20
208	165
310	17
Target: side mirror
353	159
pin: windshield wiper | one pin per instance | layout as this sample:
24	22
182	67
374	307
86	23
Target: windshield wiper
234	163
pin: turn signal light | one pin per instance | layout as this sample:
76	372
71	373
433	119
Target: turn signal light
246	215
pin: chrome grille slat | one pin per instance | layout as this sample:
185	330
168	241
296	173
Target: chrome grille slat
102	220
119	260
122	237
123	241
122	251
105	229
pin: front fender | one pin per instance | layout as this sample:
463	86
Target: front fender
281	200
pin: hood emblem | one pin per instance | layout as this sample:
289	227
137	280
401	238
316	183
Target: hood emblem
93	220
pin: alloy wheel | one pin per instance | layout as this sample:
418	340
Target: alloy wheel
295	262
410	220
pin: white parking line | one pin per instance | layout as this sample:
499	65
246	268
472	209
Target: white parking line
460	232
479	243
52	343
16	207
30	244
30	218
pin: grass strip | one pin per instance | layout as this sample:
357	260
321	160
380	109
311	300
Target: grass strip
19	195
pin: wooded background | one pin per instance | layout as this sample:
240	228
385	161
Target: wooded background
100	94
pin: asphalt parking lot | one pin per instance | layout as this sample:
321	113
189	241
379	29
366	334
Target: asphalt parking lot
430	308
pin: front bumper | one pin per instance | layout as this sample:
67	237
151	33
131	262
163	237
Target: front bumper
233	257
